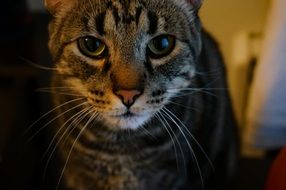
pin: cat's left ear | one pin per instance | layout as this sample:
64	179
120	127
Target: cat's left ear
57	6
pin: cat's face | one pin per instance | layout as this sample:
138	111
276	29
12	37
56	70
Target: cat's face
128	58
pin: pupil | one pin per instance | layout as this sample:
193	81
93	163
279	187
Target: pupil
91	44
162	44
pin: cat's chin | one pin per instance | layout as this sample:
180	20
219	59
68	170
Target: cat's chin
126	121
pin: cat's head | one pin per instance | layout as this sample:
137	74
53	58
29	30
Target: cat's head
127	57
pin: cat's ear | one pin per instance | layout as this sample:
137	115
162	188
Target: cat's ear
56	6
195	3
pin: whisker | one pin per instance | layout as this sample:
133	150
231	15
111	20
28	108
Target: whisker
192	136
58	87
72	147
176	138
49	112
62	126
38	66
191	89
147	132
167	128
213	72
213	81
76	123
188	143
184	106
80	116
59	92
181	94
42	128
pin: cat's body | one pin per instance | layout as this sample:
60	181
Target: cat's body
145	116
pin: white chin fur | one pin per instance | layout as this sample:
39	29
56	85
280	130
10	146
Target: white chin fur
133	122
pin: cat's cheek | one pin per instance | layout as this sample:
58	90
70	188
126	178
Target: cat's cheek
178	83
77	86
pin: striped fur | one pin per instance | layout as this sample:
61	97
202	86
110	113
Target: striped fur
180	125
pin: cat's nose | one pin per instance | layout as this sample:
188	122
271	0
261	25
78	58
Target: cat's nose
128	97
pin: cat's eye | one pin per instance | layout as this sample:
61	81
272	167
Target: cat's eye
161	46
92	47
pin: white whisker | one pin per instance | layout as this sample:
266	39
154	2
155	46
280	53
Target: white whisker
77	122
191	89
165	127
184	106
59	92
49	112
72	147
214	72
147	132
192	136
39	66
80	116
182	93
168	127
55	118
58	87
62	126
188	143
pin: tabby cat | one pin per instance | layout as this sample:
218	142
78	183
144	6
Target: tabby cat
142	97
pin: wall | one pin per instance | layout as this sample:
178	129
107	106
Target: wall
232	22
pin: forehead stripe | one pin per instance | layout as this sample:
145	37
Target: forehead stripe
138	14
115	15
99	22
153	22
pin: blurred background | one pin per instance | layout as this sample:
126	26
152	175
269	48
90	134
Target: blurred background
242	28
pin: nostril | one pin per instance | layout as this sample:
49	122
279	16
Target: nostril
128	97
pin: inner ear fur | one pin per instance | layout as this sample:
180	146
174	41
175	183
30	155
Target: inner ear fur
58	6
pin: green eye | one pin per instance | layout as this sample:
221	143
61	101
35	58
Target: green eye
161	46
92	47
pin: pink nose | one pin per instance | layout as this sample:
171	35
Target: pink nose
128	97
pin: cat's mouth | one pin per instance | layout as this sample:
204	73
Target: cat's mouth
127	114
127	120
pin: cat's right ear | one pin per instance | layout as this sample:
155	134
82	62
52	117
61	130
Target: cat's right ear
195	3
57	6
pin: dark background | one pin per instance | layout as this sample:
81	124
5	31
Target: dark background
23	38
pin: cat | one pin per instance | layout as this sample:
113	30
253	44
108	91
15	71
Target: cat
142	97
